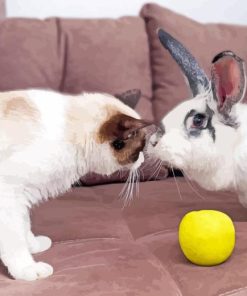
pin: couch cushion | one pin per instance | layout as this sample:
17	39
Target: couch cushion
95	267
228	278
73	56
97	211
203	41
31	54
101	247
2	9
107	55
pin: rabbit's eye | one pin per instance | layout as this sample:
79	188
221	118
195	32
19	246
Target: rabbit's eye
199	120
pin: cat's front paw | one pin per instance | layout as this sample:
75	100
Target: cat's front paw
39	244
32	272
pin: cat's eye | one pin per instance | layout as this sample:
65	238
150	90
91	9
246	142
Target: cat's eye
199	120
118	144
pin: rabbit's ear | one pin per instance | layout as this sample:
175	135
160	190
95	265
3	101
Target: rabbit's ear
196	77
228	80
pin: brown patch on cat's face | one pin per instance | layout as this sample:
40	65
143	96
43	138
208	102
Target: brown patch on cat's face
125	135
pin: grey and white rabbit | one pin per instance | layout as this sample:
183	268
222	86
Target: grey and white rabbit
206	136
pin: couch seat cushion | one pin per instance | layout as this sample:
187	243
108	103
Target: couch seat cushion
101	248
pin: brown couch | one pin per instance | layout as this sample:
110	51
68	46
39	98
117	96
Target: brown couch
101	248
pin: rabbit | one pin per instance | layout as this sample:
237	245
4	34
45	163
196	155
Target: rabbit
206	136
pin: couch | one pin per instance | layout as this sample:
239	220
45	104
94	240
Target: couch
99	246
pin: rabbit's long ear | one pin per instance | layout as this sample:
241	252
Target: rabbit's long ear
197	79
228	80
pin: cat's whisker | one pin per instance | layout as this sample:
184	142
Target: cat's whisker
131	187
134	183
135	189
126	189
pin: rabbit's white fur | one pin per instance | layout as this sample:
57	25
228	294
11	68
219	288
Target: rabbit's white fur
206	137
215	165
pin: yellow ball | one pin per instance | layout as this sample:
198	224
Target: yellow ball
207	237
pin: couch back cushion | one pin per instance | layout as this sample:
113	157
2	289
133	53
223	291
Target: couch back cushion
2	9
72	56
204	41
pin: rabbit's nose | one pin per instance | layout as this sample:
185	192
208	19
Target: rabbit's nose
157	135
162	129
153	140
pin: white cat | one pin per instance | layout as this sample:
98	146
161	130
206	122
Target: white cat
47	142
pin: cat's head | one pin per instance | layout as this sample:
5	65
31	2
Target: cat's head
119	133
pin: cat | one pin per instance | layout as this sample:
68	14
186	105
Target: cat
48	141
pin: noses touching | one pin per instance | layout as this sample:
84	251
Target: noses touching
158	134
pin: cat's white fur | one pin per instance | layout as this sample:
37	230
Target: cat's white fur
42	160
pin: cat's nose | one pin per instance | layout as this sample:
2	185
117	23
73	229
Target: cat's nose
157	135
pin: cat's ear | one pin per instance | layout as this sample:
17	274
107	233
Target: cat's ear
127	126
130	97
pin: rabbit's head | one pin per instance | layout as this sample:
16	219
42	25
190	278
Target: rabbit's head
200	134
